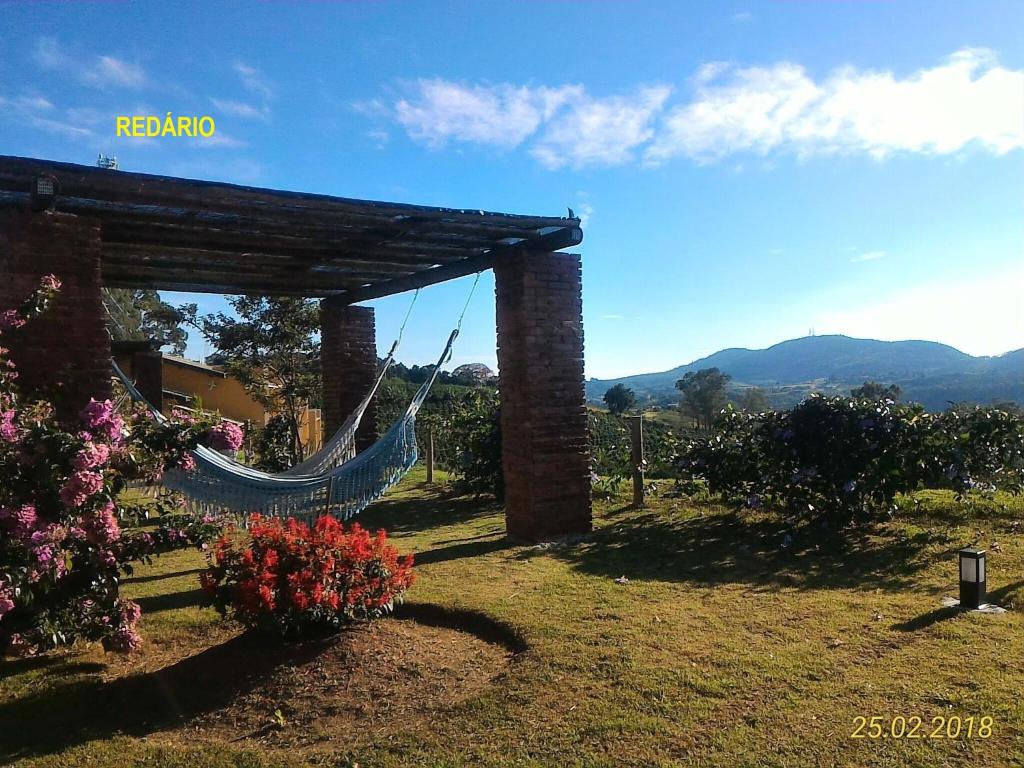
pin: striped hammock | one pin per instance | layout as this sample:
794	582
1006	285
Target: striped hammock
333	481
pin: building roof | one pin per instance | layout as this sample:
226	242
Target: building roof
171	233
195	364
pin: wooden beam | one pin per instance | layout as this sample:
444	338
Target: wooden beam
553	241
124	255
121	186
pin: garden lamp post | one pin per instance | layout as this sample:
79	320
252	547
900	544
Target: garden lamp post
972	578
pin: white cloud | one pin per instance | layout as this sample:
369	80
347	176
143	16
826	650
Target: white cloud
239	109
48	54
379	137
967	99
980	316
252	80
600	131
219	140
40	113
111	71
503	115
742	18
97	72
585	212
867	256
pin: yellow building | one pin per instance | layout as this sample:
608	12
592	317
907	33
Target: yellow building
181	381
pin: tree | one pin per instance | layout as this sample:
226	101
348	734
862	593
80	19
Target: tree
754	400
703	394
144	316
872	390
272	347
619	399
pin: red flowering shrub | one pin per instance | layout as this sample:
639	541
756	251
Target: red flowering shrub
291	579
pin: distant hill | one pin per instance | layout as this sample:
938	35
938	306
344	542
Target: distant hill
928	372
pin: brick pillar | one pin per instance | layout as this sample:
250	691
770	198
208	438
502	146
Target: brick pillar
348	358
148	372
64	354
143	362
544	439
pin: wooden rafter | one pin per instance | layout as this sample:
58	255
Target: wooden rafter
182	234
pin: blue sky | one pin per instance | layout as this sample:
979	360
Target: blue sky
747	171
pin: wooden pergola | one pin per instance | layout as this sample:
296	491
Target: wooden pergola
95	227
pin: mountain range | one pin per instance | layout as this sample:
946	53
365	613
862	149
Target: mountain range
927	372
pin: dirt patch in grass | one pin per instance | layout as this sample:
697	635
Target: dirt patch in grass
384	677
226	686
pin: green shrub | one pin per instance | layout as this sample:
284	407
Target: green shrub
845	459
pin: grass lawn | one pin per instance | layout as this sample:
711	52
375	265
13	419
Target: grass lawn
724	648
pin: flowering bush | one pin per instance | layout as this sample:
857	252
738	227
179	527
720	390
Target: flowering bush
290	579
226	436
60	527
172	529
842	459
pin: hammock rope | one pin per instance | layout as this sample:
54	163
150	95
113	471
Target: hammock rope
342	489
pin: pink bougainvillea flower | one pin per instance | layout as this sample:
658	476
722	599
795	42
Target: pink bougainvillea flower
11	318
123	640
9	432
101	418
225	436
92	455
102	526
21	522
6	600
79	487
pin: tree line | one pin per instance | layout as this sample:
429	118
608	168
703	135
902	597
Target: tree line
704	394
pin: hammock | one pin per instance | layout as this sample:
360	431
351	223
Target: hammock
332	481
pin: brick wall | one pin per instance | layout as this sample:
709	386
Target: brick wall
64	354
545	446
349	361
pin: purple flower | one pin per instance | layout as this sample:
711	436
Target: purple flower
21	522
102	527
100	417
6	600
92	455
79	487
225	436
11	318
131	612
8	429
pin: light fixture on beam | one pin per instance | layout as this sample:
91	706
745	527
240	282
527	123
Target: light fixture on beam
44	192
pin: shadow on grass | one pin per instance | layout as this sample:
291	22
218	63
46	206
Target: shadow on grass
458	551
12	667
160	576
430	508
724	547
172	601
80	707
926	620
465	620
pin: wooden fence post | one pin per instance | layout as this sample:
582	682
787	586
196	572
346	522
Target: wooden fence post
636	431
430	456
